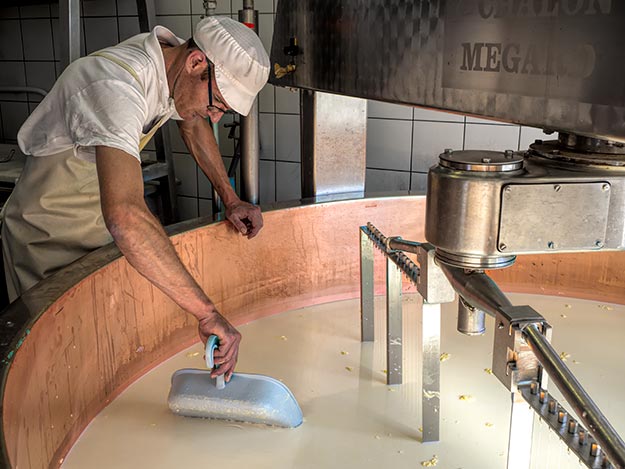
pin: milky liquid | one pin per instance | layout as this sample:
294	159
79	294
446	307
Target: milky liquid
352	418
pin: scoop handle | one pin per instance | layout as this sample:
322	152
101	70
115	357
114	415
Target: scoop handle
211	344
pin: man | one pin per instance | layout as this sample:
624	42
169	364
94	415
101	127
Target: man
83	185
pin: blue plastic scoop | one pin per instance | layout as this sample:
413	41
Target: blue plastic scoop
245	398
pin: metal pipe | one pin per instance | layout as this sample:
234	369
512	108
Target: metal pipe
250	140
476	288
396	243
69	26
573	392
23	89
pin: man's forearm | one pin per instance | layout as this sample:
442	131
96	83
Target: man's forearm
141	238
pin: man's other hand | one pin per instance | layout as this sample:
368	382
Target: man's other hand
245	217
229	339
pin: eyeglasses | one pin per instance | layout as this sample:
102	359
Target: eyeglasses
212	106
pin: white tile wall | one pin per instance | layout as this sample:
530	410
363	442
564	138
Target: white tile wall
186	171
419	183
267	124
126	7
288	177
100	33
187	207
266	99
40	75
287	137
267	176
491	137
431	138
169	7
388	144
388	110
13	115
99	8
530	134
223	7
10	37
434	115
287	101
37	34
128	27
377	180
35	11
179	25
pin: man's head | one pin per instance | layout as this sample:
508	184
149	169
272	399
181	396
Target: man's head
231	56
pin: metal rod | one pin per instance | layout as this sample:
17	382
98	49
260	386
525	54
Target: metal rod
393	323
250	140
476	288
69	23
575	394
366	288
396	243
431	371
23	89
521	431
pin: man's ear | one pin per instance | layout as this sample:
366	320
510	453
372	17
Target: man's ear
196	62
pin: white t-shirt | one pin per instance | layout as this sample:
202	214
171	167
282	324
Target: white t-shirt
98	102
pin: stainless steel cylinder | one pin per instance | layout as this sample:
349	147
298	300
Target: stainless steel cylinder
471	321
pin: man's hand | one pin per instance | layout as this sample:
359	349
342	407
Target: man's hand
245	217
229	338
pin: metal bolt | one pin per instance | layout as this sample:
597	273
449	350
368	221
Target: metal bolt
555	152
599	243
562	415
552	407
509	154
500	325
448	151
557	187
605	187
502	247
595	450
572	427
534	387
542	397
551	245
582	435
10	324
486	160
538	142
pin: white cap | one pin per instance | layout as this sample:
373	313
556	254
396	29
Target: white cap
240	61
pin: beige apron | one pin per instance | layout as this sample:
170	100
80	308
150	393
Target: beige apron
53	216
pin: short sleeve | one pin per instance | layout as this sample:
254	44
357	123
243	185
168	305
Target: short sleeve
107	113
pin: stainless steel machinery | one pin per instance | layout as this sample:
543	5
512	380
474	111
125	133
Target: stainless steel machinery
553	64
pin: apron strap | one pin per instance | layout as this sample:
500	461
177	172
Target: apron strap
146	137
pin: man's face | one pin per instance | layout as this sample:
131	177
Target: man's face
192	99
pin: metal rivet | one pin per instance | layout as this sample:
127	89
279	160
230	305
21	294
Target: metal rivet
486	160
10	324
502	247
599	243
448	151
605	187
557	187
551	245
500	325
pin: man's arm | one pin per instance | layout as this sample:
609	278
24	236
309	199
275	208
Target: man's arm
141	238
199	138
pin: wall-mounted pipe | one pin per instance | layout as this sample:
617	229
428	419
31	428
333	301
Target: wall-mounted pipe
23	89
250	140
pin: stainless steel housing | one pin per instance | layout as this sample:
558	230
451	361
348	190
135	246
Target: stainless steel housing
482	219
